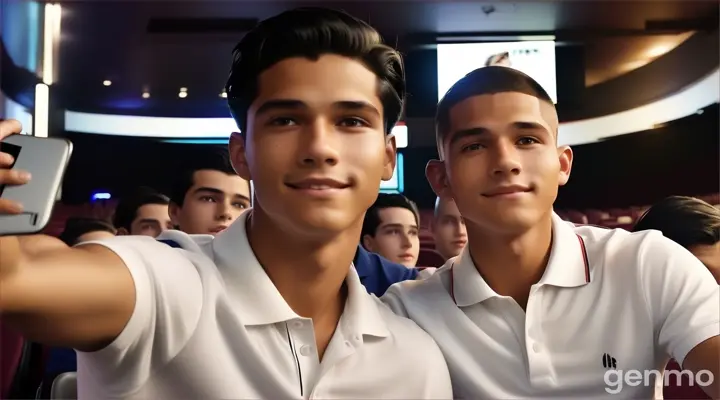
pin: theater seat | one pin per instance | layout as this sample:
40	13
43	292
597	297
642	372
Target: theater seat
682	390
64	386
22	365
11	344
430	258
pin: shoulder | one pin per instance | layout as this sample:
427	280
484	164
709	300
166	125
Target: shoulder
408	336
421	293
637	248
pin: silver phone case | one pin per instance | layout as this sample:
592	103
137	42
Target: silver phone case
46	159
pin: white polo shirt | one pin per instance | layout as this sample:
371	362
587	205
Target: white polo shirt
609	301
209	324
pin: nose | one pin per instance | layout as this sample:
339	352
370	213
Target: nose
506	159
460	229
222	211
318	145
406	242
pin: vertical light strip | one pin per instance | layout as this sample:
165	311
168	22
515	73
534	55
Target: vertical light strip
42	110
51	37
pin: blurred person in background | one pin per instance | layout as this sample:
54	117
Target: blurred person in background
79	230
208	195
391	228
142	212
448	228
689	222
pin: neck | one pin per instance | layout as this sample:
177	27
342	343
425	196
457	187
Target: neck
511	263
308	272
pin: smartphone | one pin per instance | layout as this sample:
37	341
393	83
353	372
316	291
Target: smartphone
46	159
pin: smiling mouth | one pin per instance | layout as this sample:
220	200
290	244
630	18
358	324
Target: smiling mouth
508	192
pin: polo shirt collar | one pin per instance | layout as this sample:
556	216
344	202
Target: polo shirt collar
258	301
568	264
567	267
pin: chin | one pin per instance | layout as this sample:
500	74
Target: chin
318	221
509	221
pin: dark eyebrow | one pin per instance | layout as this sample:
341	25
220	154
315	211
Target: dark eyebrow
357	105
528	125
220	192
480	131
209	190
461	134
272	105
397	226
290	104
148	221
241	196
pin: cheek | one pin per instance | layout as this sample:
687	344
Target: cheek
365	153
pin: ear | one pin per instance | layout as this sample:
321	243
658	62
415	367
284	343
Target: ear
236	148
437	177
174	213
122	232
368	243
390	158
565	155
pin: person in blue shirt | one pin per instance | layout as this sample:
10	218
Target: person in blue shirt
377	274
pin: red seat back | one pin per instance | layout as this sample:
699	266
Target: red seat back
681	390
430	258
11	344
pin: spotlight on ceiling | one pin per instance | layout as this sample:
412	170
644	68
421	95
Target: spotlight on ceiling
182	94
183	89
107	82
146	95
223	94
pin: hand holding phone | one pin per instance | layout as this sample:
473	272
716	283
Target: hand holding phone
27	203
9	176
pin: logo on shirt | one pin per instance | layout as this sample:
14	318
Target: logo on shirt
609	362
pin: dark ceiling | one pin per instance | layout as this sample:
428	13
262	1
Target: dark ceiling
161	46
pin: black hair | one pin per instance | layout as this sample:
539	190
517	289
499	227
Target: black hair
372	216
485	80
213	159
76	227
311	32
127	208
685	220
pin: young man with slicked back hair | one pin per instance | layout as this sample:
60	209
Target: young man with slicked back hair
535	307
270	308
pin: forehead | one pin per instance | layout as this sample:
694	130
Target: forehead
228	183
318	83
448	208
396	215
152	211
500	109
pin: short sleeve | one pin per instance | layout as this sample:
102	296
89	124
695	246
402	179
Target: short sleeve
681	294
392	299
168	301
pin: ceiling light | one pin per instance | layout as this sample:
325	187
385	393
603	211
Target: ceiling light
223	94
107	82
182	95
146	95
183	89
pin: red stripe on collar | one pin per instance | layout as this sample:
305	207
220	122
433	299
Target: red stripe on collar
585	262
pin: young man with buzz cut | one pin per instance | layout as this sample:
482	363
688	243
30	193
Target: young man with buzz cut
270	308
534	307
